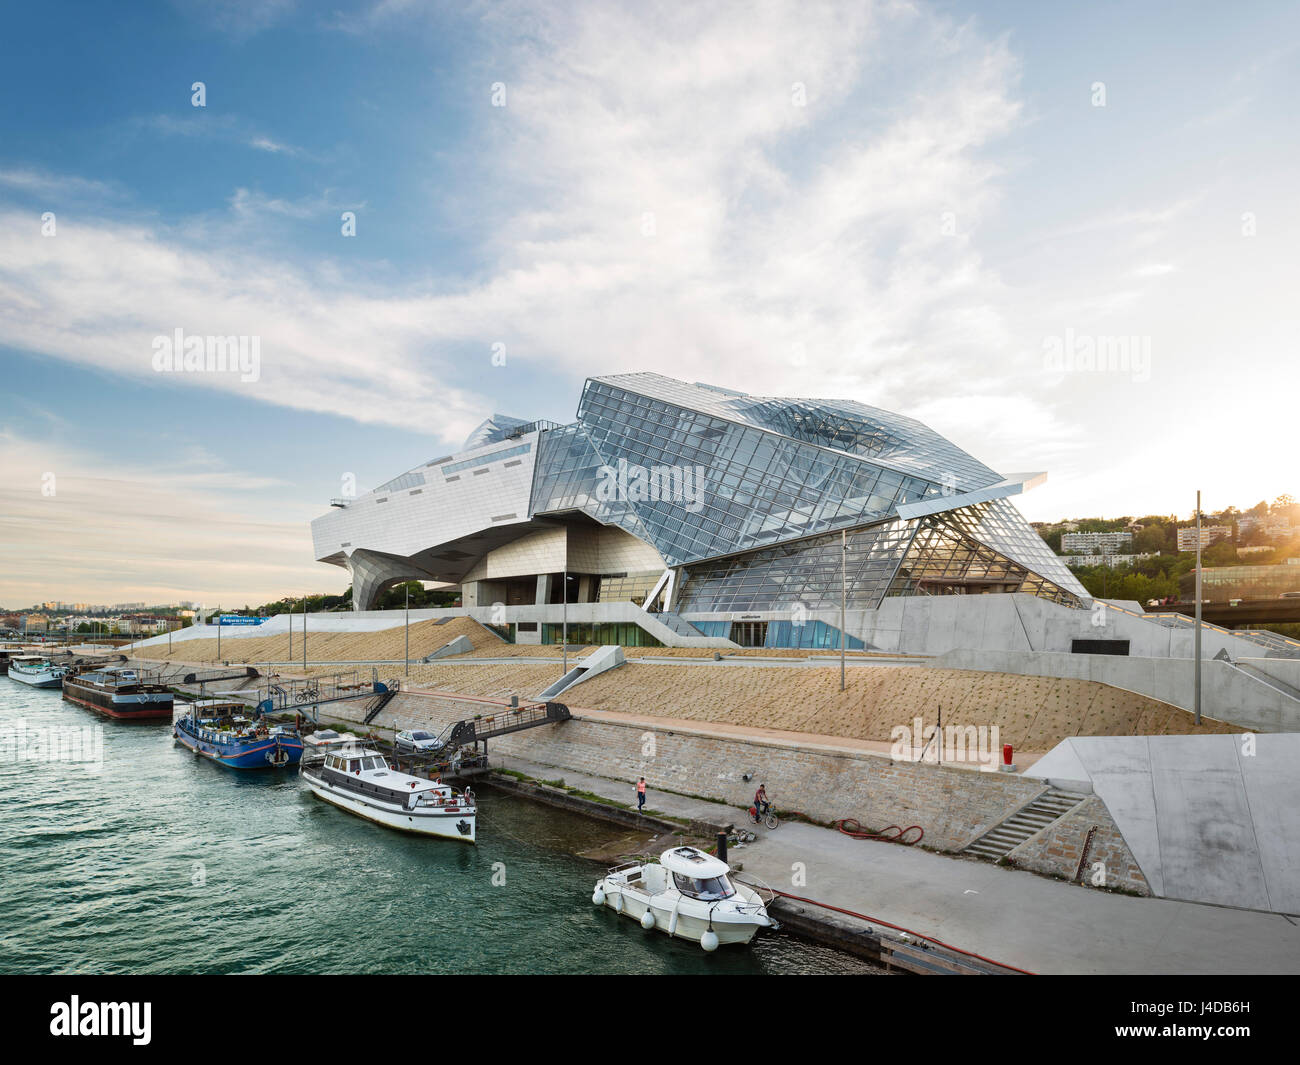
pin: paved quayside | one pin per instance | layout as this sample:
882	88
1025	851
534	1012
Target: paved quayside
1014	917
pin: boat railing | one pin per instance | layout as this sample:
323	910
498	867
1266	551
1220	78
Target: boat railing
765	891
635	861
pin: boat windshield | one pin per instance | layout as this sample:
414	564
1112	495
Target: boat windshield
373	763
708	889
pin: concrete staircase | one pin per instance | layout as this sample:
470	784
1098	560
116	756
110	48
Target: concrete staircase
1000	841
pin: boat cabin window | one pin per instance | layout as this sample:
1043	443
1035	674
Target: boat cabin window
374	763
707	889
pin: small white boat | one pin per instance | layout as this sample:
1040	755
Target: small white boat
357	778
688	894
36	671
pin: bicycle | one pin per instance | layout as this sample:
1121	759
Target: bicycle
769	819
307	694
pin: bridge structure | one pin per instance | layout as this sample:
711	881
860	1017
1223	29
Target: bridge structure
1242	614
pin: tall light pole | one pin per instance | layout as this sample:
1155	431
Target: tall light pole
1196	652
290	655
844	585
304	634
408	627
564	616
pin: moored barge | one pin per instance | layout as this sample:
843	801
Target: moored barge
219	731
120	693
36	671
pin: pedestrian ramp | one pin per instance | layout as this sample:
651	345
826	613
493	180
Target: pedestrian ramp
599	661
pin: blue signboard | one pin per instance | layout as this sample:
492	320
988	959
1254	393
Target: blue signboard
238	619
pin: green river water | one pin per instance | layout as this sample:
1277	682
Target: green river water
159	862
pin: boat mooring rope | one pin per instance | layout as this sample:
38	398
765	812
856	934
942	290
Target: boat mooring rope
900	928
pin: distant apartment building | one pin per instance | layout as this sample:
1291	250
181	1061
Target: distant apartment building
1209	534
1095	543
1273	528
1112	560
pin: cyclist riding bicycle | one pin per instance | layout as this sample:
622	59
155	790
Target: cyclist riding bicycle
761	803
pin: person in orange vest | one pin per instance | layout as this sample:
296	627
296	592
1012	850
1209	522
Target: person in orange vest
640	794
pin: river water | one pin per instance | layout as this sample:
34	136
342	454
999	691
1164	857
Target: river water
150	860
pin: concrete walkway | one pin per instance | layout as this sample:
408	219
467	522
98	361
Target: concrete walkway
1013	917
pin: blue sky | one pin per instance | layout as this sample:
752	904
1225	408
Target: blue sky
912	205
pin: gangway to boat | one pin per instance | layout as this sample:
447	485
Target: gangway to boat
501	722
457	752
381	701
299	693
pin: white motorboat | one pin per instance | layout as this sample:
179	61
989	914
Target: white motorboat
688	894
357	778
36	671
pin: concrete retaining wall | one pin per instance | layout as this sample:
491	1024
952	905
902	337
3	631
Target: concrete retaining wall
1021	622
1056	850
378	620
953	806
1227	694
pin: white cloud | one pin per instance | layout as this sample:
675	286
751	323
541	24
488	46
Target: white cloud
99	294
789	243
1153	270
57	185
183	527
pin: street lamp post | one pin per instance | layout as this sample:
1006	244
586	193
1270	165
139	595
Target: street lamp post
408	628
844	584
1196	651
564	618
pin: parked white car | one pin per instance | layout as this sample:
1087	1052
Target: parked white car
417	740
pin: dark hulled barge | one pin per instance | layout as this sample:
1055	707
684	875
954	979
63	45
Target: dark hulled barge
120	693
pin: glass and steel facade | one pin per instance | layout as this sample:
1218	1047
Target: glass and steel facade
774	481
743	500
805	572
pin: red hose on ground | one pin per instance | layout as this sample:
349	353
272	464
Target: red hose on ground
900	928
893	834
850	826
